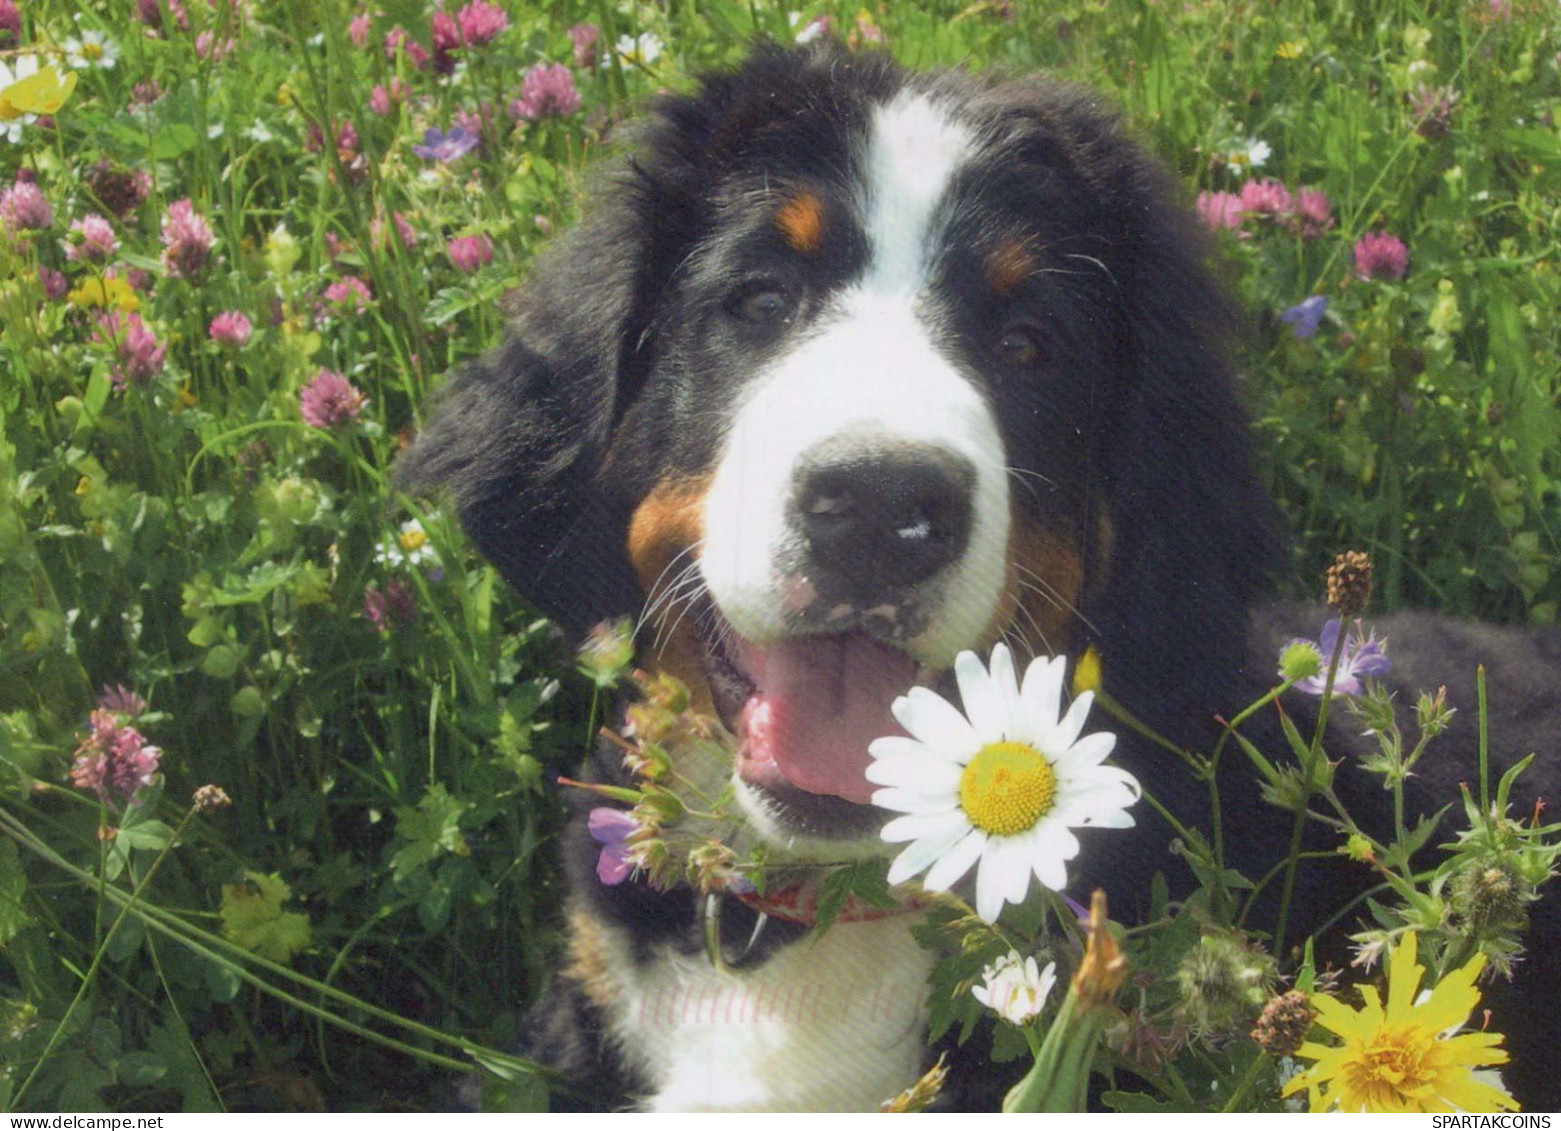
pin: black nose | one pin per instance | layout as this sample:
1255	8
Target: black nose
883	519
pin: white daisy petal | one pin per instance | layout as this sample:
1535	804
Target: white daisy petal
928	773
955	862
952	824
913	801
1067	731
1051	872
933	719
919	855
1091	750
990	885
981	697
1040	701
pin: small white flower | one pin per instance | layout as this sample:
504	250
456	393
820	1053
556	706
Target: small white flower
643	49
1003	786
410	547
1016	991
93	49
1253	155
12	119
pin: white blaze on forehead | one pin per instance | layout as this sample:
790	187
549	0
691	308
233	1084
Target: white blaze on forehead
871	371
914	150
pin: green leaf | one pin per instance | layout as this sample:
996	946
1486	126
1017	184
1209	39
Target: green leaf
866	881
1137	1102
13	886
252	917
429	830
1398	854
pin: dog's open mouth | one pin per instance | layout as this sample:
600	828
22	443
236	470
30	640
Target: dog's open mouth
806	708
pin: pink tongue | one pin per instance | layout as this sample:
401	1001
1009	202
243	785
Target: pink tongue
821	701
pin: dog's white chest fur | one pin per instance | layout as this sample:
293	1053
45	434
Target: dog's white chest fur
831	1023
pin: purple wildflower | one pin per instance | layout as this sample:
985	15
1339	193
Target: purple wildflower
55	285
584	38
450	146
1362	655
230	328
24	208
468	253
1219	210
114	758
94	240
121	191
1432	109
386	608
10	24
358	29
547	91
1379	255
138	354
397	42
480	22
1305	316
122	701
611	828
187	240
330	401
1267	197
348	295
1314	211
446	36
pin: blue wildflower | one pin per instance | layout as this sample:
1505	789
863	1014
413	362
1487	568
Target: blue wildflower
610	828
446	146
1305	317
1362	655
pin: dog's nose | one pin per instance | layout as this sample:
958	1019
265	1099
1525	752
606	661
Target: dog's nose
884	519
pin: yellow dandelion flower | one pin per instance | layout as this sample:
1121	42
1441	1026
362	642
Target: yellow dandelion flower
1290	49
1409	1056
107	291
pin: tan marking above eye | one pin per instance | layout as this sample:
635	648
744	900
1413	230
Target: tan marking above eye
801	222
1008	265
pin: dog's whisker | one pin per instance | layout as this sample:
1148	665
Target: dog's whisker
1038	585
658	589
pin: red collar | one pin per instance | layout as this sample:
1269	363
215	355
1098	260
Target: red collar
798	903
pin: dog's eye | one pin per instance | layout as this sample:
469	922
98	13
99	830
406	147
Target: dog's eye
1019	345
764	305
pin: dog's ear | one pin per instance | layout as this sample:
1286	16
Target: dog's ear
519	436
1195	540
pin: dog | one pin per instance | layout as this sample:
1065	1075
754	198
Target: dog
848	369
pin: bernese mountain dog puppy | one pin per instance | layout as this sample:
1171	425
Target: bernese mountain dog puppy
848	369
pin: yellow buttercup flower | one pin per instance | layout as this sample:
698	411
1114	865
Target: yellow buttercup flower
1408	1056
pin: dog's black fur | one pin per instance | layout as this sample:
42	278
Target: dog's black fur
613	380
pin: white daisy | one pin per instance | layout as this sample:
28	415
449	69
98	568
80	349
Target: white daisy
410	547
642	50
12	117
1016	991
1253	154
1002	786
93	49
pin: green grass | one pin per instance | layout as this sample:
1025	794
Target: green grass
379	902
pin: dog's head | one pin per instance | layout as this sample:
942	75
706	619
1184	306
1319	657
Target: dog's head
848	370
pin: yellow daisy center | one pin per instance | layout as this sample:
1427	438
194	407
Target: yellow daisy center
92	51
1006	788
412	540
9	110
